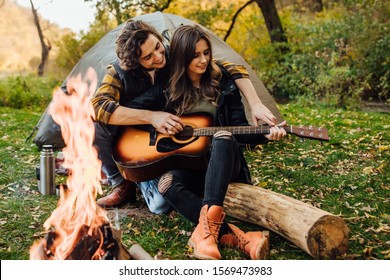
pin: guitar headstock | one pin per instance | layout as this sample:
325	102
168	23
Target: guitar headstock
310	132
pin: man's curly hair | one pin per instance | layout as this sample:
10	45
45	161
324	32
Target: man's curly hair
130	40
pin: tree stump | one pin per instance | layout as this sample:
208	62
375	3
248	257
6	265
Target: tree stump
319	233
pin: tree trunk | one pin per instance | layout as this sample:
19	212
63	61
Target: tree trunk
317	232
116	6
45	47
317	6
272	21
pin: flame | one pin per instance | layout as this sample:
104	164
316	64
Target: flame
77	208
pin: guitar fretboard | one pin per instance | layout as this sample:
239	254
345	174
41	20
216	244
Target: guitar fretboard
237	130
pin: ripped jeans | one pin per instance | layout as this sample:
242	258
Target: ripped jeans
188	191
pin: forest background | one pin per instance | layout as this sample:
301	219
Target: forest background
322	61
335	50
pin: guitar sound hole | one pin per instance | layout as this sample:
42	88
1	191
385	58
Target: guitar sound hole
166	145
185	134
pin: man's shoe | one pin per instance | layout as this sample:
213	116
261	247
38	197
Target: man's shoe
125	192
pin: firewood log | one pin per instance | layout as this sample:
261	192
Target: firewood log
319	233
138	253
123	253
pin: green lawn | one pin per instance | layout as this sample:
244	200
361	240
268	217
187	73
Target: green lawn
347	176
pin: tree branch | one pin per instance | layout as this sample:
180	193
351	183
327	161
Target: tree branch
155	6
235	18
165	6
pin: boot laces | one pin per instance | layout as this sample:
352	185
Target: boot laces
242	242
122	191
212	227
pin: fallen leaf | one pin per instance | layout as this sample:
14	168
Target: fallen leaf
367	208
383	228
383	148
369	170
262	184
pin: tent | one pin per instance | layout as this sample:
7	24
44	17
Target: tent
103	53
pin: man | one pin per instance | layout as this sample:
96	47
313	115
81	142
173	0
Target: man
142	62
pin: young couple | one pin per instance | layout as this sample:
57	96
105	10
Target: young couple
191	82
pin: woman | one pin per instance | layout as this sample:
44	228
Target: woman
198	84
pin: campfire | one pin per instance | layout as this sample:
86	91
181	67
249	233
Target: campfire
78	228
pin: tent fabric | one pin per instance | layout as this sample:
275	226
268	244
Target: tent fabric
103	53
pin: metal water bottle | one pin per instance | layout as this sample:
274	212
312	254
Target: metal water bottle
47	170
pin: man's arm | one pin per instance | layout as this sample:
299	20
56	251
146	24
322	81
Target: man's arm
164	122
258	109
108	110
106	99
241	77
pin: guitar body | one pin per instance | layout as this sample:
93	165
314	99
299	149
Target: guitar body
140	160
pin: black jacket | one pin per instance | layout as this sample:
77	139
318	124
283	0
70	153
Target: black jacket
135	82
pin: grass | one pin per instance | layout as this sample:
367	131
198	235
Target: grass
347	176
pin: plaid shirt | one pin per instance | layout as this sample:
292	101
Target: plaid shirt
107	97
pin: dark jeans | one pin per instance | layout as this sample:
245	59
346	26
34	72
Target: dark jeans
191	190
104	139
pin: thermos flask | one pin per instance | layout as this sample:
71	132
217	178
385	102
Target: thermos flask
47	171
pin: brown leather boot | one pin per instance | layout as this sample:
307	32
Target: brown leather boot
204	238
253	243
124	193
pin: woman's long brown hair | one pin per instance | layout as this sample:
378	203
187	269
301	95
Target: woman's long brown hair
182	95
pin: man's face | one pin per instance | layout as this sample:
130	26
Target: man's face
153	53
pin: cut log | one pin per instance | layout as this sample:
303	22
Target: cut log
138	253
317	232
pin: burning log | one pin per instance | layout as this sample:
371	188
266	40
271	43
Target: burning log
319	233
104	244
101	245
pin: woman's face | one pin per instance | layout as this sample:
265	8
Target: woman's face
201	59
153	53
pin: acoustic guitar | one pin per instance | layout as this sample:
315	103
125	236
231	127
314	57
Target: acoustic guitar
142	154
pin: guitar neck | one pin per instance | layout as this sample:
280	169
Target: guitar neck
300	131
237	130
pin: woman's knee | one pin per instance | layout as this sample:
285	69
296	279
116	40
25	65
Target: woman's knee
171	179
165	183
223	140
223	134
